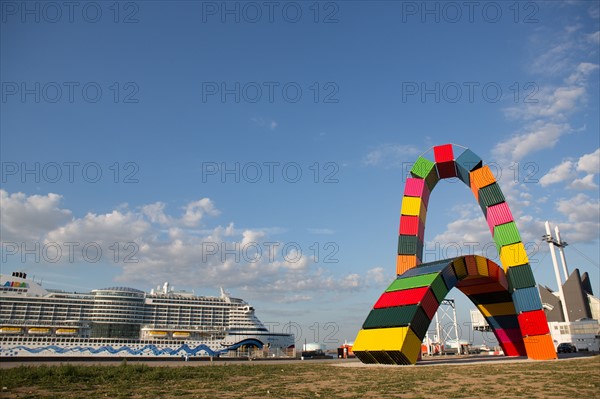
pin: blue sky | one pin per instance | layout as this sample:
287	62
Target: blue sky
194	134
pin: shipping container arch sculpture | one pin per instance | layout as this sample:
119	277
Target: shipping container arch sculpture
506	295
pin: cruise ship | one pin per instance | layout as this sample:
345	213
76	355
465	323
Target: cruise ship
124	322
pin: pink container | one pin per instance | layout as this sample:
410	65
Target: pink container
509	335
417	188
497	215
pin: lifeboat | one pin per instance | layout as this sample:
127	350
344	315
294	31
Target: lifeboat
66	331
157	334
181	334
38	331
11	330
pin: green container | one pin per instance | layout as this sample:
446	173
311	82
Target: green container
520	277
425	169
423	280
400	316
391	317
439	288
410	245
490	195
506	234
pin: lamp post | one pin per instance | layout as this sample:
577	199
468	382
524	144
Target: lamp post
561	250
551	243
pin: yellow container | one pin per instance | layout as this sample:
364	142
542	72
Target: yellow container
414	206
460	268
482	266
401	339
513	255
497	309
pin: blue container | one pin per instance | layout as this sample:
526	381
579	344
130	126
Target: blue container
427	268
527	299
465	163
449	276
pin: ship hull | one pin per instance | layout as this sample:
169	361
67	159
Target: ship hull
37	347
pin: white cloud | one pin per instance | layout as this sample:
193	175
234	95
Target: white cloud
594	38
194	211
156	213
582	215
552	60
166	248
581	73
26	218
102	229
390	155
561	172
538	136
552	104
567	171
378	275
590	163
585	183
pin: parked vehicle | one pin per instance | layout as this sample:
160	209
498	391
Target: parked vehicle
566	347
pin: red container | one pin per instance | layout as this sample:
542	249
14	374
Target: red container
503	280
429	304
409	225
498	214
471	281
494	270
446	169
401	298
533	323
443	153
513	348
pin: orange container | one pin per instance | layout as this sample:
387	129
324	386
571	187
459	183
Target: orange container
540	347
406	262
480	178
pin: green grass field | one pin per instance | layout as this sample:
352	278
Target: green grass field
574	378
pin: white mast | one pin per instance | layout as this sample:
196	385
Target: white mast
551	243
561	250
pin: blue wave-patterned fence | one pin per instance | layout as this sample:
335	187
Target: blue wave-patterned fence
153	348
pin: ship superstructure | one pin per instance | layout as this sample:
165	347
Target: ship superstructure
123	321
